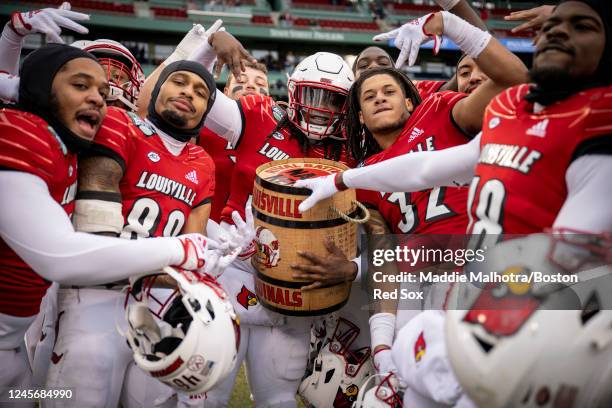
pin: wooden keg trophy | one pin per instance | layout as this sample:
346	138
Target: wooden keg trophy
282	230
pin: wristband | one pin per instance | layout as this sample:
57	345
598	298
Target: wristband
472	40
382	329
339	183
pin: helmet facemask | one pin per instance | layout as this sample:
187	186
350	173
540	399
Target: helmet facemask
317	108
123	72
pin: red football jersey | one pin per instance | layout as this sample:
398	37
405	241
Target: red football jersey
519	184
158	189
427	88
29	144
224	157
441	210
260	144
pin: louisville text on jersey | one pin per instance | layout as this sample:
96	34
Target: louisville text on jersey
164	185
516	157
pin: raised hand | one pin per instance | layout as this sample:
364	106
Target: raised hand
409	38
48	21
229	51
535	17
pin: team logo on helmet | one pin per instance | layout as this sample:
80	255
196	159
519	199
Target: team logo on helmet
345	398
502	308
247	298
419	348
268	248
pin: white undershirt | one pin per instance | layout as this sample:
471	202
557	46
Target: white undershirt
36	227
175	147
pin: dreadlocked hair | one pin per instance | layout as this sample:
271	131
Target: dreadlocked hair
331	147
361	142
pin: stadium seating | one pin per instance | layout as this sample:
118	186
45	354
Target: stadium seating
337	24
262	20
169	12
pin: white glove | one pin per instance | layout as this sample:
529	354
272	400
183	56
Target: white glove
204	53
322	188
48	21
195	38
409	38
196	250
245	230
217	260
9	87
447	4
383	362
241	235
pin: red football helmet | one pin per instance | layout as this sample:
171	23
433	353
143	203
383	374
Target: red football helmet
123	72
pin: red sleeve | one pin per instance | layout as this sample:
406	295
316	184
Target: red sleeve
112	140
256	111
596	135
27	145
426	88
207	183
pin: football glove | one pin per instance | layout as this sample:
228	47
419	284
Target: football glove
409	38
48	21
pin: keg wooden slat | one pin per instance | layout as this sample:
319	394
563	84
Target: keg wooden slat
282	230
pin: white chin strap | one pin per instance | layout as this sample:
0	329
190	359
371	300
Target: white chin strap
117	94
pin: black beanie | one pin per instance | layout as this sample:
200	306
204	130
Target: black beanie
183	135
36	78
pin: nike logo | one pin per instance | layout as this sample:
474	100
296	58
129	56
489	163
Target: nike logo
55	358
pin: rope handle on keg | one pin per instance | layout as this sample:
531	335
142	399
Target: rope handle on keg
345	217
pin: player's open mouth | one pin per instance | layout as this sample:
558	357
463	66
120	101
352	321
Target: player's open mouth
88	122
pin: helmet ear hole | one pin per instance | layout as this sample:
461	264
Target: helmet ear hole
591	308
329	374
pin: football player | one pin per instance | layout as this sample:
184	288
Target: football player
262	131
140	179
253	81
387	119
60	111
543	159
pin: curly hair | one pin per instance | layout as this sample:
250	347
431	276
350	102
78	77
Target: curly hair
361	142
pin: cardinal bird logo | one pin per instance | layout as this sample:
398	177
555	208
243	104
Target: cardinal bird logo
246	298
419	348
502	308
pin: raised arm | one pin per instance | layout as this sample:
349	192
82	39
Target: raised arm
422	170
503	68
47	21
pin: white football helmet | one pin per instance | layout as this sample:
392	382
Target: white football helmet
379	391
123	72
537	344
194	345
337	371
318	90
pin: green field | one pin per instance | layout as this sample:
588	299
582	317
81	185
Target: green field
241	397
